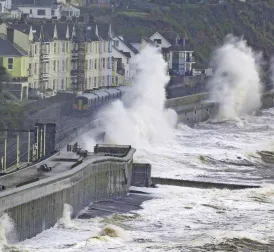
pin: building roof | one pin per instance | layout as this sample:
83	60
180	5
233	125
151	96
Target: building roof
179	48
125	54
103	30
149	41
133	39
9	49
83	32
34	2
45	30
170	36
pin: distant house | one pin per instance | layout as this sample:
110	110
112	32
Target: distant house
15	60
125	48
177	53
46	9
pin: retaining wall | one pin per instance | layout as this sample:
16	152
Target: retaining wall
141	175
197	108
38	206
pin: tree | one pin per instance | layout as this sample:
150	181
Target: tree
4	78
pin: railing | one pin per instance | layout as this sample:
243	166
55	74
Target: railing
190	59
74	72
45	56
44	76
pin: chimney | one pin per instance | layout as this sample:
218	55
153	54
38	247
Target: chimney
10	34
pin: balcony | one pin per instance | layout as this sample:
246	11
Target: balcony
45	57
44	76
19	79
74	72
190	59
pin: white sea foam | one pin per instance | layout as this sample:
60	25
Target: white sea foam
65	221
236	82
141	120
6	228
186	218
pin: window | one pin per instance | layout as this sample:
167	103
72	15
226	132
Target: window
53	84
30	11
30	50
90	64
58	66
52	12
103	63
62	84
35	68
41	12
54	66
158	41
47	48
63	66
95	64
10	63
90	84
35	49
1	61
109	63
67	47
95	82
116	43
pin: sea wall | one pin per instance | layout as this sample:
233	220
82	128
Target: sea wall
38	206
193	108
197	108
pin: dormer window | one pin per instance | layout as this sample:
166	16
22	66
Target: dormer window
116	43
158	41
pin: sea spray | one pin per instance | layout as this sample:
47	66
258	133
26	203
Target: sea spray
236	84
65	221
6	228
141	119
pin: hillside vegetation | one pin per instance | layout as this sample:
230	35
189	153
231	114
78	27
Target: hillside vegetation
205	25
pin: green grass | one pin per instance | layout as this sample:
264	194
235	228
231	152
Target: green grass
134	14
205	25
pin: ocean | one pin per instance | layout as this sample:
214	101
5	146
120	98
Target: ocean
187	219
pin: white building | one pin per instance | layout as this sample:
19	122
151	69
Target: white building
45	9
127	49
180	57
125	57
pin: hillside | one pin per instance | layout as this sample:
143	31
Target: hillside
204	25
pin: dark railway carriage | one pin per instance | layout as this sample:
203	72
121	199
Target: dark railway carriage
85	102
91	100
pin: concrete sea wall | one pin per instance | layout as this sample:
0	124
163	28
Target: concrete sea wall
197	108
192	109
38	206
